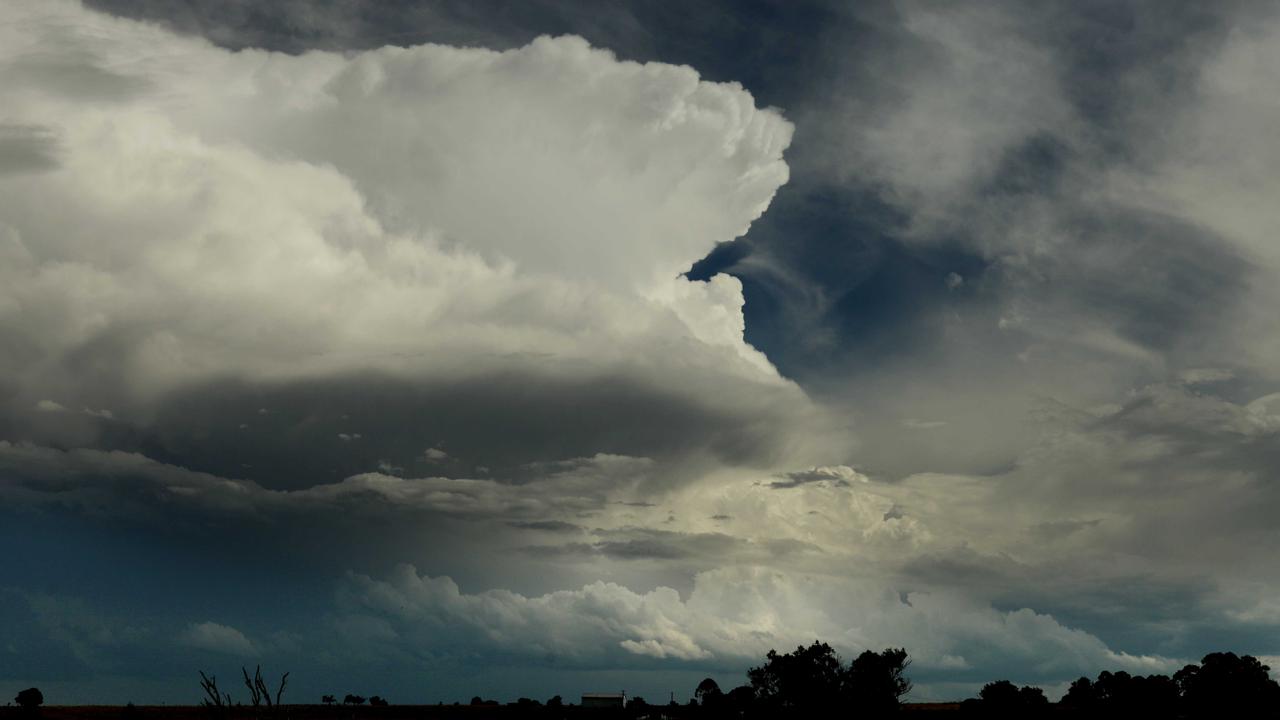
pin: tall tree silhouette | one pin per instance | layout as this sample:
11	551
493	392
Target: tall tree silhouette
1227	685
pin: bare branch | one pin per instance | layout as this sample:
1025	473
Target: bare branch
215	699
254	693
284	680
262	686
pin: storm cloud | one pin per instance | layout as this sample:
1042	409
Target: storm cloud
622	344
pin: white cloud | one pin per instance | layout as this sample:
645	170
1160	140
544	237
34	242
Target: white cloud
1273	662
428	212
218	638
1202	376
732	615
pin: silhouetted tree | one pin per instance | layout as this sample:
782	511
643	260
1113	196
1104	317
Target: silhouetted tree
377	701
1082	696
353	699
740	700
1032	698
477	700
876	682
1227	685
1004	699
328	700
999	693
29	699
812	681
556	702
1122	693
804	682
709	696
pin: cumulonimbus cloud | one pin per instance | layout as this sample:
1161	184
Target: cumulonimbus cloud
427	212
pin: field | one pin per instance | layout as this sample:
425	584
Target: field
394	712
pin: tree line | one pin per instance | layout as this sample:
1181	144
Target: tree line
814	682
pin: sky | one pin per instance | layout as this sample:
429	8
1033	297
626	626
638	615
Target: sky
437	349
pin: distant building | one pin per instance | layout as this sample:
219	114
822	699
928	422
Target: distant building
604	700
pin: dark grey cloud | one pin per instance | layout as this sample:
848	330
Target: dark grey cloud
509	424
650	544
551	526
837	278
1065	290
27	148
838	476
1056	529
